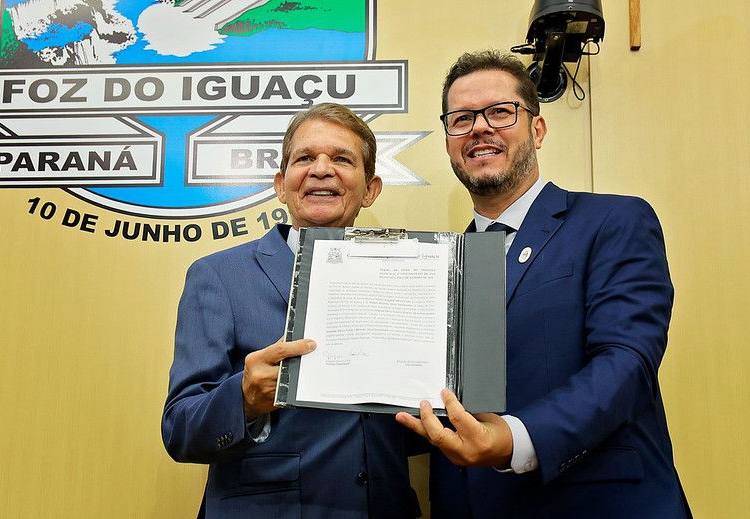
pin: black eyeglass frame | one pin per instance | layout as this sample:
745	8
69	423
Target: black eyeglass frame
516	104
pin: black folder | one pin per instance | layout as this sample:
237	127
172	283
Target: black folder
476	356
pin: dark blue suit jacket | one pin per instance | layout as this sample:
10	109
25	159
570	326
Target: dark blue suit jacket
315	464
587	319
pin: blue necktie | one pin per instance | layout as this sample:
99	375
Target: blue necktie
497	227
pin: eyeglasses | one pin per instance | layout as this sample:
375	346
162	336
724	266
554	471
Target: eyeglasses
498	115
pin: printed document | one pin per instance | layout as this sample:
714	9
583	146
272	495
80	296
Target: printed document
379	315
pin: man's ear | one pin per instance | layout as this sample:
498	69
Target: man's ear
538	130
278	186
374	187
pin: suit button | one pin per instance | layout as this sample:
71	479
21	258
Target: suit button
362	478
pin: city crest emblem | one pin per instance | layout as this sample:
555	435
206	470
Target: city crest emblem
177	109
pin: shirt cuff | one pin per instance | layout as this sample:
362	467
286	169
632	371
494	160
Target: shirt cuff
258	429
524	455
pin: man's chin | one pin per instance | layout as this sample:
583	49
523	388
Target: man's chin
321	219
486	185
487	189
497	182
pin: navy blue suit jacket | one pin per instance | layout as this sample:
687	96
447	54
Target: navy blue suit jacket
587	319
315	464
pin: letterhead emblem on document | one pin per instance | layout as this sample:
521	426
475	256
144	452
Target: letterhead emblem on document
335	256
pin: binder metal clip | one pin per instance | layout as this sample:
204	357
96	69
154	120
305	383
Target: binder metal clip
374	234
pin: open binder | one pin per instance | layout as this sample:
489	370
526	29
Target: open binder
475	316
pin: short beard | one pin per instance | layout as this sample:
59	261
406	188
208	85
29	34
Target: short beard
502	182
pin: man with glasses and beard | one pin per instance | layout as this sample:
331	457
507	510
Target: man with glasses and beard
588	302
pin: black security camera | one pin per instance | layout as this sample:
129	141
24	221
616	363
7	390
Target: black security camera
559	30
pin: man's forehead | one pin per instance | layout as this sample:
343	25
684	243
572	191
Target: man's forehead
482	85
323	136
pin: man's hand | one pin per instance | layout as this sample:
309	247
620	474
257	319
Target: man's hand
482	440
261	372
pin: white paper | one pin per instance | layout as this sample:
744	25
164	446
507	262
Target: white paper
380	323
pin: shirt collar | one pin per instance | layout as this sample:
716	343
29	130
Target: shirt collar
293	239
514	215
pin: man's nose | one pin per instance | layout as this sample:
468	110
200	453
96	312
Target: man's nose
321	166
481	125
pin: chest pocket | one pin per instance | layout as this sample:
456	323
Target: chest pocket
543	276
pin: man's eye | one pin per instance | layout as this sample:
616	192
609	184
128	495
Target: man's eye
303	158
500	111
344	160
462	118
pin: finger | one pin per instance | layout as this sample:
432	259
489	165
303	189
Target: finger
268	383
275	353
436	433
461	419
449	397
412	422
260	378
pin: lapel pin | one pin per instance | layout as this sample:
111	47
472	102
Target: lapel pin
525	255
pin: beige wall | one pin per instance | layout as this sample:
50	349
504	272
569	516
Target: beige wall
669	124
86	321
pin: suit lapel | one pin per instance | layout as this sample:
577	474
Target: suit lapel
542	221
276	260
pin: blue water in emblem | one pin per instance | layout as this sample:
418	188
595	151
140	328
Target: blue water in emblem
58	36
268	46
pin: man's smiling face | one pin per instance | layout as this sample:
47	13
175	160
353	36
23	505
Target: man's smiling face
324	183
491	161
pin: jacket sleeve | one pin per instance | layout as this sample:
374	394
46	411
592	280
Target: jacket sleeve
203	419
627	307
